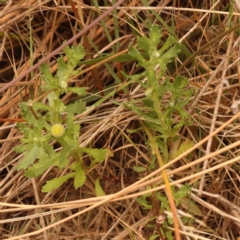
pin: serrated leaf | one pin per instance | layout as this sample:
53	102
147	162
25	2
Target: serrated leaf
181	193
50	87
81	91
46	74
20	149
64	71
186	145
153	237
98	154
38	126
71	143
77	107
143	43
143	202
29	158
171	53
72	130
40	167
139	169
64	153
98	188
155	35
180	82
136	55
42	154
169	235
40	106
167	44
56	182
164	201
24	128
191	207
59	107
51	96
26	112
74	54
79	178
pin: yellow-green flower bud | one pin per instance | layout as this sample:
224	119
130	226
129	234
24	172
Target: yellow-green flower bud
63	84
57	130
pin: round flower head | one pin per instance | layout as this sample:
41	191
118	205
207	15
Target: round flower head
57	130
63	84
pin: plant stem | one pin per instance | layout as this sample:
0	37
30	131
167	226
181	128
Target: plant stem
165	178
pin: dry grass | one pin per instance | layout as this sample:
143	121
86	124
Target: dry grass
212	169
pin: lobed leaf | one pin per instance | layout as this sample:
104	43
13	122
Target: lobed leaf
29	158
98	188
56	183
79	178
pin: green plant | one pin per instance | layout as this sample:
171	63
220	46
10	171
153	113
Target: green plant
164	206
164	118
55	121
162	110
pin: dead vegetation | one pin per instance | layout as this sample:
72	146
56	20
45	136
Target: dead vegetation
31	30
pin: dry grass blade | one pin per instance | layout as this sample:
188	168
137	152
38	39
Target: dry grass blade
35	31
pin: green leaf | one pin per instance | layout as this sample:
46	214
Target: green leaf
143	202
71	143
40	167
20	149
139	169
40	106
29	158
163	200
186	145
51	96
136	55
56	182
144	44
58	105
155	35
171	53
153	237
77	107
79	178
23	127
74	54
191	207
169	235
64	153
50	87
64	71
26	112
134	130
181	193
42	154
167	44
38	126
180	82
46	74
98	154
72	130
98	189
81	91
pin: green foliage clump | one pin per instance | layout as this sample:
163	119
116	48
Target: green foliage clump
162	110
55	121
